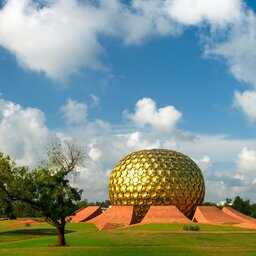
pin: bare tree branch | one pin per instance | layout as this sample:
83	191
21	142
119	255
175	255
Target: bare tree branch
67	157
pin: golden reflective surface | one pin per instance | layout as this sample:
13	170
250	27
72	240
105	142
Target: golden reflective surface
157	177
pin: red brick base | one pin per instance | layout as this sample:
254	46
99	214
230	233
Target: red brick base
164	214
115	217
86	214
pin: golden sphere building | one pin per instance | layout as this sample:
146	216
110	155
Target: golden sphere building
157	177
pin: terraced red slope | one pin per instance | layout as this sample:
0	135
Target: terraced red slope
164	214
236	214
115	217
86	214
213	215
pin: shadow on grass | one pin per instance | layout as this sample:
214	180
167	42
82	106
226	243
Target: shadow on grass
35	232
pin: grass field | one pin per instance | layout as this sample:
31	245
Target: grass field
152	239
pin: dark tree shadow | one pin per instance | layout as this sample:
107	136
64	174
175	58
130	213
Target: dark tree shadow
35	232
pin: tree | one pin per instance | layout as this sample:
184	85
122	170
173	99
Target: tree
6	207
228	202
253	210
241	205
46	188
22	210
104	204
6	204
209	204
82	204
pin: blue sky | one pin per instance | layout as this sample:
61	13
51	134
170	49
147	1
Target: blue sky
117	77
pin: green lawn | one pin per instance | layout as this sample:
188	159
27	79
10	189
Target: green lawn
149	240
178	228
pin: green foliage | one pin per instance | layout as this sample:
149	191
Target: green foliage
84	203
81	204
47	188
191	227
241	205
228	201
22	210
104	204
6	207
253	214
244	206
209	204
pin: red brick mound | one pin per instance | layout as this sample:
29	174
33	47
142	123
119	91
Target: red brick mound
246	221
213	215
24	222
246	225
164	214
115	217
234	213
86	214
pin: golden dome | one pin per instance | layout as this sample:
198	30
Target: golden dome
157	177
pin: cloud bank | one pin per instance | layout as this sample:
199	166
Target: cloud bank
23	133
228	164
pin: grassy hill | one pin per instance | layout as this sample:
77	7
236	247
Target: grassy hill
17	238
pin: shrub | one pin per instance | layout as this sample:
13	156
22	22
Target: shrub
191	227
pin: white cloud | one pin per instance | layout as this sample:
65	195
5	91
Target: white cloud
23	133
246	160
239	48
93	179
204	163
94	153
74	112
153	20
194	12
163	120
220	148
61	37
57	39
239	177
95	100
137	141
246	101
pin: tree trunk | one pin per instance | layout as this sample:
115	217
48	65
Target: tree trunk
61	236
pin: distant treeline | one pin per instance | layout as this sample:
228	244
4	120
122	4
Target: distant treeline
242	205
12	210
85	203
